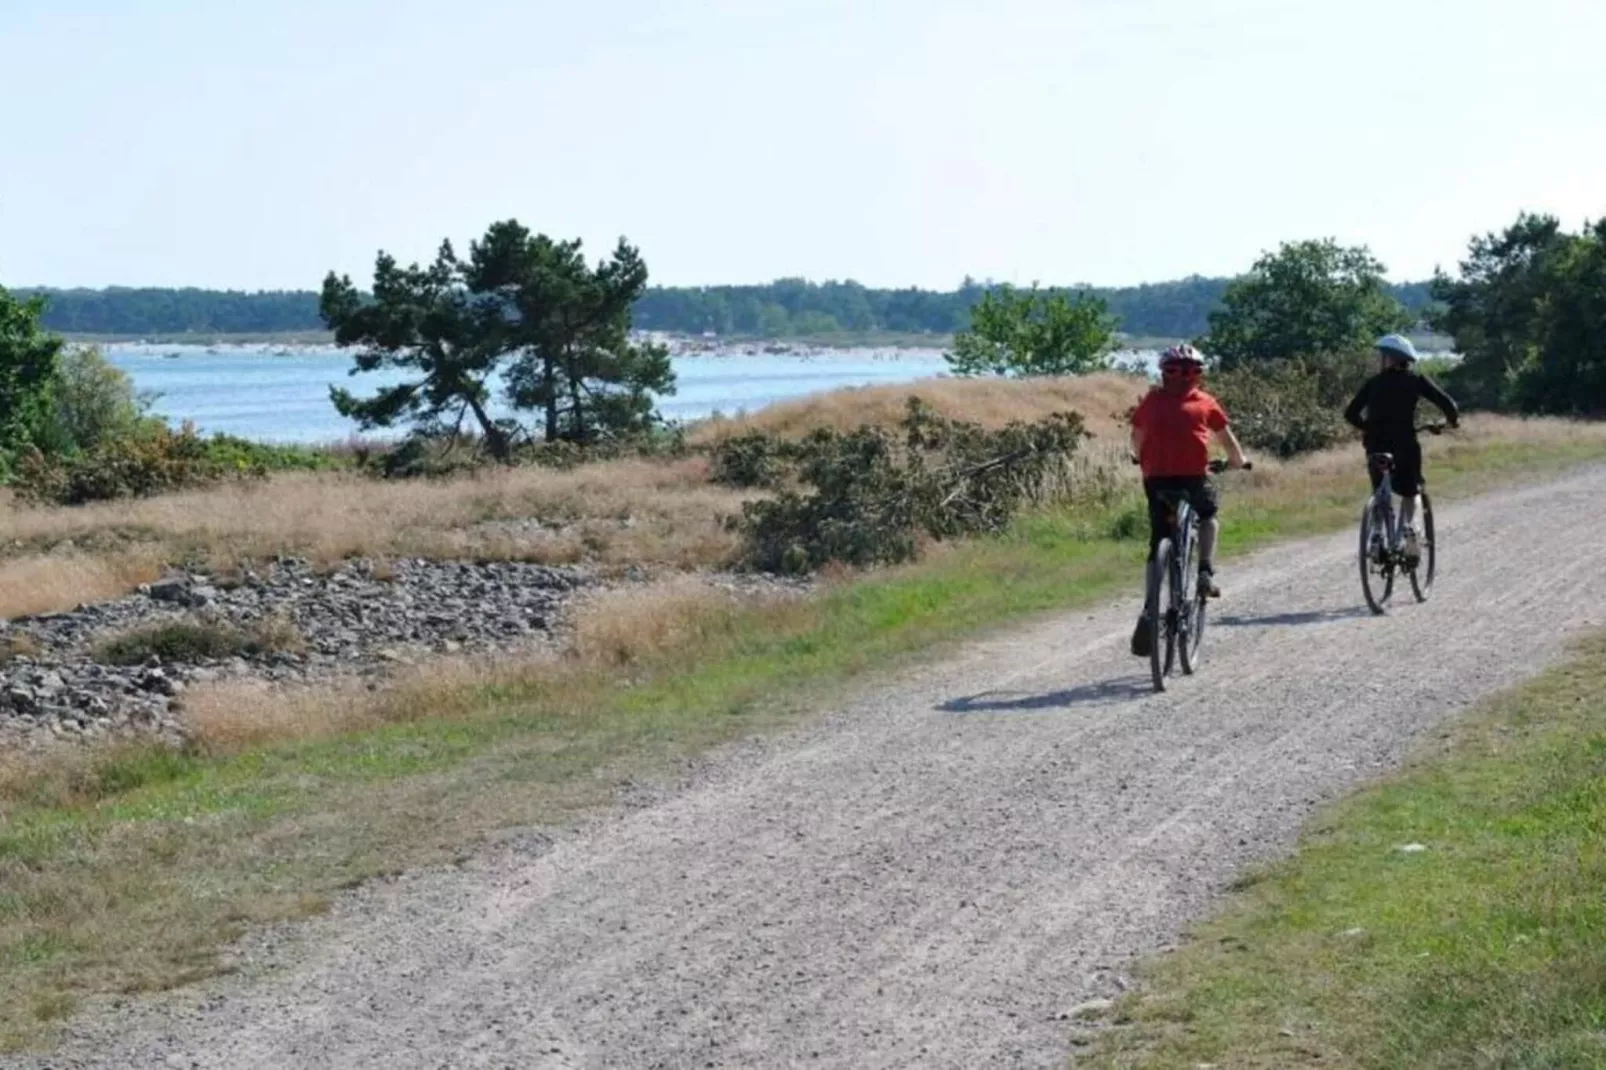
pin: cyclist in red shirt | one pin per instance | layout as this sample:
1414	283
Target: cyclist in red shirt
1171	432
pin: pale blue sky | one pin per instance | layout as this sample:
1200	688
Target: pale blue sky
897	142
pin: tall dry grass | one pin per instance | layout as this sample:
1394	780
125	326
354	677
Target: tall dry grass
47	583
1102	400
616	629
636	511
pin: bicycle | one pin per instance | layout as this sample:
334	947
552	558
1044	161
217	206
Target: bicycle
1173	582
1382	558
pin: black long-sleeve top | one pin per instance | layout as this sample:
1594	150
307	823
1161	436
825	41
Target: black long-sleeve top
1384	408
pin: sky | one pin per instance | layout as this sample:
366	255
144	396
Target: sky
896	142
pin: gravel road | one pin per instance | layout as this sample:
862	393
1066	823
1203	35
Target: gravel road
932	874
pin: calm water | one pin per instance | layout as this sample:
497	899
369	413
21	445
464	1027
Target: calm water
279	394
276	394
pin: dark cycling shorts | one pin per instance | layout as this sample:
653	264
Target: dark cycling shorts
1201	495
1407	467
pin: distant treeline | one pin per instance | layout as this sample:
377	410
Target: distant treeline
784	308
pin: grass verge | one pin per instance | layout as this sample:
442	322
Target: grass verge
1482	945
130	871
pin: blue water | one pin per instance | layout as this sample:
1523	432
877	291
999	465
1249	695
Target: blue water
279	394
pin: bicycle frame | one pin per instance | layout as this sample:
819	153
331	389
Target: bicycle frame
1184	526
1383	508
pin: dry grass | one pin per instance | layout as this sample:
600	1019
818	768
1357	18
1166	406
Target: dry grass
617	628
629	625
227	717
634	511
1101	399
46	583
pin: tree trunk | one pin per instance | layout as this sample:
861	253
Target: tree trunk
549	377
579	408
495	438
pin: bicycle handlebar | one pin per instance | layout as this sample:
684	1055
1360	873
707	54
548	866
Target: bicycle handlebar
1216	467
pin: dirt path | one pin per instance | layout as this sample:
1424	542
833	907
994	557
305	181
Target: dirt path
931	876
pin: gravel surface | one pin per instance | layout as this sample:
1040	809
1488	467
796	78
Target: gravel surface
943	872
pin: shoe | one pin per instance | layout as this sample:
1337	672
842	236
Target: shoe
1143	637
1410	547
1207	582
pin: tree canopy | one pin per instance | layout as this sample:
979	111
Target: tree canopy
786	308
1029	332
29	357
1528	315
1307	299
523	314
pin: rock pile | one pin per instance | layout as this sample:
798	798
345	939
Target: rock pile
356	618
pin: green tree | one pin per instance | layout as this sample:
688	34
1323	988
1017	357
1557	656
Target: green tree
28	360
95	401
1030	332
1528	315
1308	299
523	308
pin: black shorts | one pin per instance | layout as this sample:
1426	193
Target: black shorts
1201	495
1407	476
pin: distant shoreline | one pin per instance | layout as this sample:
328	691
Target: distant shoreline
682	342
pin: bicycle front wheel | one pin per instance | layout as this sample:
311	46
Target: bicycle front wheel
1377	568
1162	617
1422	574
1191	612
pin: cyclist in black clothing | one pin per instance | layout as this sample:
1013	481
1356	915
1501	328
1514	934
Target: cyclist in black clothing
1385	412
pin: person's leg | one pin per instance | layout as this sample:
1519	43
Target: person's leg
1408	507
1408	484
1208	530
1142	636
1206	505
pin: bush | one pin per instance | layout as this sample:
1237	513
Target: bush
753	459
193	641
876	495
1290	407
231	453
95	401
155	459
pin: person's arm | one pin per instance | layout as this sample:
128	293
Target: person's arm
1217	421
1428	389
1229	442
1354	414
1139	420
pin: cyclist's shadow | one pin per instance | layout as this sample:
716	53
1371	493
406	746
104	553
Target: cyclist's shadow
1103	693
1313	616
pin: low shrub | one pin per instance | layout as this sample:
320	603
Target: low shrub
191	641
751	459
874	495
232	453
154	459
1289	407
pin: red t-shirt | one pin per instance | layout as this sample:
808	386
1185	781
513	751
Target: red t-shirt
1176	432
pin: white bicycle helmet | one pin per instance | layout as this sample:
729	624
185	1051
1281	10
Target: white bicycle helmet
1398	345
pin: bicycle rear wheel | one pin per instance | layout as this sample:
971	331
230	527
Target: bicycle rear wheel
1191	622
1422	574
1377	568
1162	617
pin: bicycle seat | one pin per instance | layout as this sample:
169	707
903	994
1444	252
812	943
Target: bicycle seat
1383	460
1173	498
